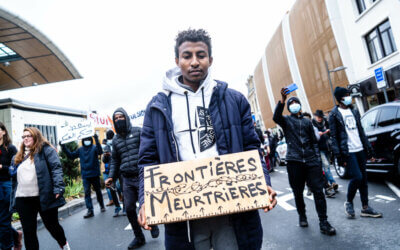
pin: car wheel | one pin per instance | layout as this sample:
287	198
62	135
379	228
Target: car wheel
340	170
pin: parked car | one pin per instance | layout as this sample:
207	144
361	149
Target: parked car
382	127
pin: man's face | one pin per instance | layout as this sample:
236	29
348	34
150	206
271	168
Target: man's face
193	61
318	118
119	117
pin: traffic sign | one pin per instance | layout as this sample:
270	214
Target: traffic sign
380	78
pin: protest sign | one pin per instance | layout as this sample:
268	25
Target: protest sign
203	188
76	131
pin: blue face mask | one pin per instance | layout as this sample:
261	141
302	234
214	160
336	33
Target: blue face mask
347	100
294	108
87	143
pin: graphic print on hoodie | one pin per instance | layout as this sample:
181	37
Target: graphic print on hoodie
191	119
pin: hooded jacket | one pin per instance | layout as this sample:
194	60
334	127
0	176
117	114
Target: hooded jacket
302	145
125	150
88	157
233	127
339	135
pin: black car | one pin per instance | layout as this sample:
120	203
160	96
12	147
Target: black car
382	127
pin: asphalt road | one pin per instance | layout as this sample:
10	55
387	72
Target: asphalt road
281	230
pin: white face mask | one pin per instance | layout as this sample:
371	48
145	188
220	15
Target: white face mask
87	143
294	108
109	141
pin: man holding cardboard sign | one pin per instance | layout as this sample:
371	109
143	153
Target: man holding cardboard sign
200	120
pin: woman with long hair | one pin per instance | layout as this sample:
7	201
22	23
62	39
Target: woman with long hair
9	237
38	187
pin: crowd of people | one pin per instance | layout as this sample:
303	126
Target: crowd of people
193	117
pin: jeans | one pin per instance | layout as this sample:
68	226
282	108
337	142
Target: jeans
327	166
214	233
300	173
105	177
95	182
357	170
28	209
130	187
7	233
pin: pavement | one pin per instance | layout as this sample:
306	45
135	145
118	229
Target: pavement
281	230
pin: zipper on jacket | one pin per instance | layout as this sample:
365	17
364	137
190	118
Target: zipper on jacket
302	147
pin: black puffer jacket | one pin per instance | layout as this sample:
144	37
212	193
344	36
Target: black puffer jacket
339	135
302	146
125	150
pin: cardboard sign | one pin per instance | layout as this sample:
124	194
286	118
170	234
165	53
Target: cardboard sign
76	131
203	188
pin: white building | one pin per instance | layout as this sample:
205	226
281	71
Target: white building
16	115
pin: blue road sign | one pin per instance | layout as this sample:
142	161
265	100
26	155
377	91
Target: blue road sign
380	78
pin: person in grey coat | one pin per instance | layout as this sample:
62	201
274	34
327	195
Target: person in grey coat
37	187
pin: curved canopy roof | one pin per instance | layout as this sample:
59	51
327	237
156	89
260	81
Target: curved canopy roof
27	57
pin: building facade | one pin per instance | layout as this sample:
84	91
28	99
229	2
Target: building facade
322	44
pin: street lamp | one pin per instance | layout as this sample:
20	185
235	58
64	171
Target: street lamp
329	78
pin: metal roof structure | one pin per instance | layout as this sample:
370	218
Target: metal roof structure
27	57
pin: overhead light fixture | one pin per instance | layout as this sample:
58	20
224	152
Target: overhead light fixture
35	84
6	64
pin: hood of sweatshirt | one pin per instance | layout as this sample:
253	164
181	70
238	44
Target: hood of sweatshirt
192	124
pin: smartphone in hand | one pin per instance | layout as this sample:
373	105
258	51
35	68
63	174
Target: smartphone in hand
292	87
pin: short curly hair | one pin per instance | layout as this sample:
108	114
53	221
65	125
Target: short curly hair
192	35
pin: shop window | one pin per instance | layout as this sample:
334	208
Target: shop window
368	121
387	116
380	42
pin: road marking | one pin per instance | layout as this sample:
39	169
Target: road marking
129	227
281	171
393	188
385	197
311	197
278	192
282	201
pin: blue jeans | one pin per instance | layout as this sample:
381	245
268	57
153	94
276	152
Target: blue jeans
327	166
357	170
95	182
7	233
105	177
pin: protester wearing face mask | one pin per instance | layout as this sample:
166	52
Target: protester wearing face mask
351	147
124	162
303	160
90	170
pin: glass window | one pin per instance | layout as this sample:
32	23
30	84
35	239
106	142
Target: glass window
6	51
380	42
368	121
387	116
361	6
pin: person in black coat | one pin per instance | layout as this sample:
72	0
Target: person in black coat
8	235
90	170
38	187
303	160
351	147
124	162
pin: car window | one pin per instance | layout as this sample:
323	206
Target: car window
387	116
368	121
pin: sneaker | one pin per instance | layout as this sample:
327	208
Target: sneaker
303	221
349	209
110	203
88	214
155	232
66	247
326	228
329	192
136	243
370	212
103	209
335	186
116	212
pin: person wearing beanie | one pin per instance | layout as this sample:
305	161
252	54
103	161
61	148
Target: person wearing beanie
303	160
351	147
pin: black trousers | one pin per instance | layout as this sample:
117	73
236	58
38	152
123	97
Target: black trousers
28	209
300	173
131	195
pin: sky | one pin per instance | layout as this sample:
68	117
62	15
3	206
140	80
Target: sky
122	48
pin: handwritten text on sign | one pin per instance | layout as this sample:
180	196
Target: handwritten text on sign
76	131
203	188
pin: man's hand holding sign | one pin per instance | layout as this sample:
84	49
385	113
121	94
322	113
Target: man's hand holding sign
204	188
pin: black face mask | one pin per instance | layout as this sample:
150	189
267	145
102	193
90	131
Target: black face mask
120	126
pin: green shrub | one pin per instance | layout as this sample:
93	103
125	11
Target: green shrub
73	189
70	167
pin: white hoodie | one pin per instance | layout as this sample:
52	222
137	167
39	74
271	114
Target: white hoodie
195	139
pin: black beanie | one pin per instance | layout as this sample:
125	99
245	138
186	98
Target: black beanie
340	93
109	134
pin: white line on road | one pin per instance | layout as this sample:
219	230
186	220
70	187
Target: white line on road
393	188
385	197
282	201
129	227
278	192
